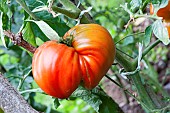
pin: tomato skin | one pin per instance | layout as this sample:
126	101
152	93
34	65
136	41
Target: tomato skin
164	13
56	69
96	51
167	25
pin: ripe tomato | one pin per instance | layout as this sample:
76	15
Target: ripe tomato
167	25
58	68
164	13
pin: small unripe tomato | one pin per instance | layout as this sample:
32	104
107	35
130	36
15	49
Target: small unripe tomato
151	9
58	69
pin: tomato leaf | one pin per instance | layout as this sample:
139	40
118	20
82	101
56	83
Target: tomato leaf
28	34
56	103
161	32
56	23
128	40
109	105
164	3
98	99
88	96
148	35
1	30
46	29
135	4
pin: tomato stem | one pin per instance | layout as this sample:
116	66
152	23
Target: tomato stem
68	40
148	49
71	11
129	66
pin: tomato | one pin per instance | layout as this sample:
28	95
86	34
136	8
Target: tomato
58	69
167	25
151	9
164	13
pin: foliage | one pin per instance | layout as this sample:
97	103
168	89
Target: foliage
39	25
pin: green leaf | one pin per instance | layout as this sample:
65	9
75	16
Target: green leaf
109	105
164	3
46	29
98	99
88	96
161	32
28	34
4	6
148	35
135	4
128	40
1	30
56	23
1	111
56	103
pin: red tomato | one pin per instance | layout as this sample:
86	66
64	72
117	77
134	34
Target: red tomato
167	25
58	69
164	13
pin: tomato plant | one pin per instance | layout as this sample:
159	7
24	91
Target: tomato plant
58	68
72	66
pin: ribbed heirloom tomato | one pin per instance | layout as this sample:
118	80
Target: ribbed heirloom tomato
58	69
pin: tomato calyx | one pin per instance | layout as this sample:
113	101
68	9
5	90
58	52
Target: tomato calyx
67	41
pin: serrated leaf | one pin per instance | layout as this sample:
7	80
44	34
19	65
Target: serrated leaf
3	6
148	35
92	99
1	30
109	105
56	103
135	4
46	29
161	32
128	40
28	34
98	99
164	3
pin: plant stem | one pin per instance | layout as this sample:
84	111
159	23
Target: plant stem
69	13
144	96
129	36
123	60
125	53
129	66
70	7
145	4
22	80
114	81
147	50
32	90
147	16
24	6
